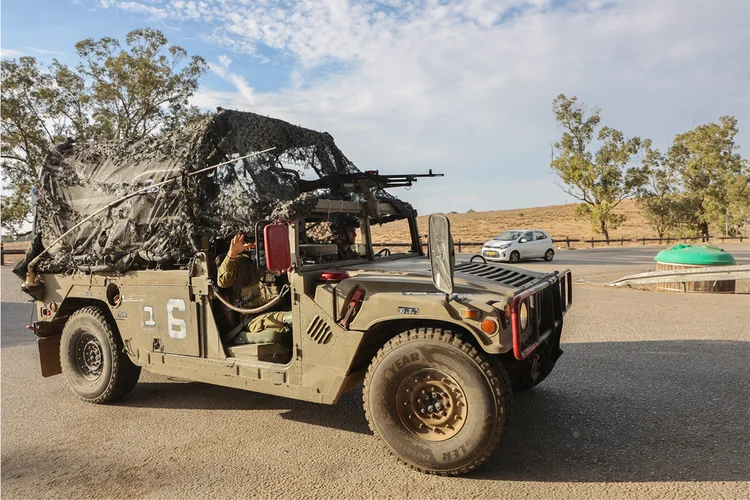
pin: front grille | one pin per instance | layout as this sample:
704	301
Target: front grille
498	274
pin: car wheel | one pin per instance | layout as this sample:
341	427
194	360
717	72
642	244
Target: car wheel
436	402
92	357
515	256
549	255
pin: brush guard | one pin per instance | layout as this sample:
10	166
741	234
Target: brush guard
562	279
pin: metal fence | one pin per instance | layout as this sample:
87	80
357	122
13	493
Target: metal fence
593	242
4	252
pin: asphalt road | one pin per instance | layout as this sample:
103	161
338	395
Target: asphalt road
650	399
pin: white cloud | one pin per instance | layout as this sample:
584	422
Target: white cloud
45	52
10	53
466	87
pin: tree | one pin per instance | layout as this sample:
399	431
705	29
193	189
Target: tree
659	200
112	94
601	180
133	92
712	174
30	123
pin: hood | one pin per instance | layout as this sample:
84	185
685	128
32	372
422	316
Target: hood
414	275
498	243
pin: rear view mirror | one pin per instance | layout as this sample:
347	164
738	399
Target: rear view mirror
523	240
278	253
442	254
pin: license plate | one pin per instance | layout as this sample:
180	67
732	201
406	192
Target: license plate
491	254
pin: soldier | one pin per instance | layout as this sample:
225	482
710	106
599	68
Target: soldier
239	272
344	229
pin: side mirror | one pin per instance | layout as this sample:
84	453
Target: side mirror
278	253
523	240
442	254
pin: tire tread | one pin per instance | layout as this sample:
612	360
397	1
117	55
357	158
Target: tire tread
125	374
495	374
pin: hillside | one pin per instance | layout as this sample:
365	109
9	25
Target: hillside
558	220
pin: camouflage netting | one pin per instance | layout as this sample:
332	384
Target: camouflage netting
165	224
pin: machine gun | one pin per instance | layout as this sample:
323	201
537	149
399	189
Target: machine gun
360	181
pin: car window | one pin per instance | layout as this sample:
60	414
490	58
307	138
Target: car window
529	235
540	236
508	236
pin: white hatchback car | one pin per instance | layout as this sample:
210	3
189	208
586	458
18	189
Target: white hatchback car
517	244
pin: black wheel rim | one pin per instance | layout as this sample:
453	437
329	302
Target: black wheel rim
89	356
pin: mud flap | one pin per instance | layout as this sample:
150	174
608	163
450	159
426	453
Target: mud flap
49	355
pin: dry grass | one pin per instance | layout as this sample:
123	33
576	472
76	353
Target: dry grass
558	220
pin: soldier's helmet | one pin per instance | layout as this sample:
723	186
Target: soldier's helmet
342	222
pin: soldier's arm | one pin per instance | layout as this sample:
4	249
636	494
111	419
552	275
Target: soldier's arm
227	273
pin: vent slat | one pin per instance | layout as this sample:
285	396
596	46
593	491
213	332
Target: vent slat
319	331
500	275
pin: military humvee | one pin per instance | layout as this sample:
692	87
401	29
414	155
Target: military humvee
439	344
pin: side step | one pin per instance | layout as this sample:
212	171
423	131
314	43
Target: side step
271	352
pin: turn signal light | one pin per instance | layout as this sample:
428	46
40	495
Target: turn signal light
470	313
489	326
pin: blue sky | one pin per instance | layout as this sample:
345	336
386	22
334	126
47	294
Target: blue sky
462	87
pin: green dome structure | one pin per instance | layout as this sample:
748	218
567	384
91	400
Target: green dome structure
704	255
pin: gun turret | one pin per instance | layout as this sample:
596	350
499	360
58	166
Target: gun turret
361	181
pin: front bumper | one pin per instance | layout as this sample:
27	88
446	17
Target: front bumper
496	254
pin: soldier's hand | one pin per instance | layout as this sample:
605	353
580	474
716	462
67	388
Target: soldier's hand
237	246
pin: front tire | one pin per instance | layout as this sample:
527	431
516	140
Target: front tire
515	256
93	359
549	255
436	403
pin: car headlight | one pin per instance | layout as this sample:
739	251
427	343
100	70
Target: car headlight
523	316
504	245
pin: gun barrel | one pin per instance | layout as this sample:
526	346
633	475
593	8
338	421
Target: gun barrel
382	181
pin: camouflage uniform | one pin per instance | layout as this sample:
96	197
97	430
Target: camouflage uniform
242	276
349	253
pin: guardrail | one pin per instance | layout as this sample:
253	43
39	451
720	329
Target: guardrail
666	239
460	243
4	252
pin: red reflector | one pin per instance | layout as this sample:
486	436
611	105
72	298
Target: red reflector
333	275
52	306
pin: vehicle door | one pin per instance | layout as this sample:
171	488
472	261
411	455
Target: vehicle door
541	243
165	313
526	245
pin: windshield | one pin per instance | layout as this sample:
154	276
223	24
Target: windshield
509	235
340	232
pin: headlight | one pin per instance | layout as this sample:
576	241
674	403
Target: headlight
504	245
523	316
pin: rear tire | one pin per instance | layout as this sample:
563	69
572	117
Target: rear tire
549	255
93	359
436	403
515	256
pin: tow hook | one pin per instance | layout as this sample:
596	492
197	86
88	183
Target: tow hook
534	360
